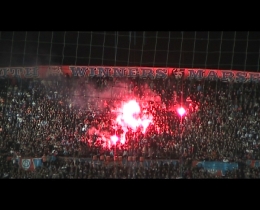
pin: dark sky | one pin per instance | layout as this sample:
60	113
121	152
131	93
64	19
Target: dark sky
202	49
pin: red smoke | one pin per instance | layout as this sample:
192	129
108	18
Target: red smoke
129	115
132	117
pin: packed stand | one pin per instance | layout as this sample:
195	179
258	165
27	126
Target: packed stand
56	117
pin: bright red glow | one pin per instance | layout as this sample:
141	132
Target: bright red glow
114	139
181	111
129	114
122	138
130	117
145	123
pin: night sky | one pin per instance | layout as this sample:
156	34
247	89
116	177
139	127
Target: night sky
189	49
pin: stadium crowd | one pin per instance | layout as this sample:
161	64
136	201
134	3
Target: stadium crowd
63	117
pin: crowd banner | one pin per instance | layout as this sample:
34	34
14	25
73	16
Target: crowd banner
253	163
216	167
222	75
132	72
90	71
100	71
30	164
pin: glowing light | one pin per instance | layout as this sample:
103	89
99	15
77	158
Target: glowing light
181	111
114	139
145	123
130	117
